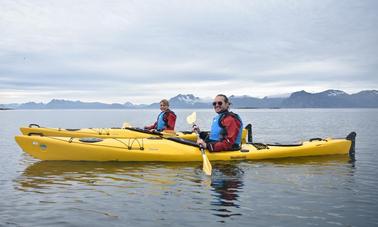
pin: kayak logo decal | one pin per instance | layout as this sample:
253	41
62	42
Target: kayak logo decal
240	157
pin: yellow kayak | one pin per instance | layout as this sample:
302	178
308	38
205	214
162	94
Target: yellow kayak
128	132
158	149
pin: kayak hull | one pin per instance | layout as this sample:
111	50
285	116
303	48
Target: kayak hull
159	149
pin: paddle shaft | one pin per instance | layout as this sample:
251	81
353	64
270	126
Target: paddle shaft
207	168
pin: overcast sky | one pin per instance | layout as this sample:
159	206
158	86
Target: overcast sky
143	51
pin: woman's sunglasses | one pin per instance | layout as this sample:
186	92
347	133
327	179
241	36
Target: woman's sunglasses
219	103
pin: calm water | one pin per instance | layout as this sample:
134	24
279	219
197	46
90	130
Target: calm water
327	191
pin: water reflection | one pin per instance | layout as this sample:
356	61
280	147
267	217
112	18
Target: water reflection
226	184
311	160
44	175
227	181
161	181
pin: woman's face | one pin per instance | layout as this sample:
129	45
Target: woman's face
163	107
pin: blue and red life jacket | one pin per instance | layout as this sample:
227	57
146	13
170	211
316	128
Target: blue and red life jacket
218	131
162	120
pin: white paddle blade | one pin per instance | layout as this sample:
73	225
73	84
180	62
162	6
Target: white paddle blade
126	125
191	118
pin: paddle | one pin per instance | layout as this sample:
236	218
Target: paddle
165	133
191	119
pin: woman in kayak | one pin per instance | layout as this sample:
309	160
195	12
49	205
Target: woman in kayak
226	129
166	120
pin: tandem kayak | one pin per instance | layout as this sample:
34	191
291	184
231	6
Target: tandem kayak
159	149
127	132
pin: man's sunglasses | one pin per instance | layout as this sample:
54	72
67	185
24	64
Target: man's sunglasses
219	103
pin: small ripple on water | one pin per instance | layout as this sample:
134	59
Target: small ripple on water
107	214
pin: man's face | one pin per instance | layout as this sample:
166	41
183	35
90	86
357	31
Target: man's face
219	104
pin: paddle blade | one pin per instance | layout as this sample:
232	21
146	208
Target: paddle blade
126	125
191	118
207	168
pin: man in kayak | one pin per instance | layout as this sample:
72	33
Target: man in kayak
226	129
166	119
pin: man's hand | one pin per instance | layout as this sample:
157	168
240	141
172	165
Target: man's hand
201	143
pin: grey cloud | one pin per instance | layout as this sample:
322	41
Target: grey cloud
278	44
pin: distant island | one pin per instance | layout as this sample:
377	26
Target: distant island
300	99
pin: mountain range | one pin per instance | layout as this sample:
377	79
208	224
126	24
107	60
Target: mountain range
300	99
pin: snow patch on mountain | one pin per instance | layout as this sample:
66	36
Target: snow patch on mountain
333	93
188	98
